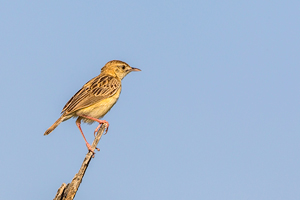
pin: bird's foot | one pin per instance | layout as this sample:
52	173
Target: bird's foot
100	123
91	150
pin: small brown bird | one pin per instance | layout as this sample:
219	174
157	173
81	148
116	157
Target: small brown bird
96	97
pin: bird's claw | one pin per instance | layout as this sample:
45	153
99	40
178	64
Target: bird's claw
91	150
98	127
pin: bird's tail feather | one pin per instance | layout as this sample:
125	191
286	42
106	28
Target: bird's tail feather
49	130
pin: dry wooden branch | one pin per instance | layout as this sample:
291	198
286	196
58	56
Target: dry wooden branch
68	191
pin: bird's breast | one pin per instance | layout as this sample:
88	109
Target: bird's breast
99	109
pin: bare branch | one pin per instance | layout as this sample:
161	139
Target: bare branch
68	192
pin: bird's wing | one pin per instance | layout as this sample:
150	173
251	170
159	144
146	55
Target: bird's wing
97	89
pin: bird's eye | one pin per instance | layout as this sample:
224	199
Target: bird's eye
123	67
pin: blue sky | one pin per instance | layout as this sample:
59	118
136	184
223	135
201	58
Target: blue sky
214	114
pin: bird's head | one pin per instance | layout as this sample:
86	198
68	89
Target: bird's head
119	68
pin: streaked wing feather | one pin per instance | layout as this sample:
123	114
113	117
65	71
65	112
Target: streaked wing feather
95	90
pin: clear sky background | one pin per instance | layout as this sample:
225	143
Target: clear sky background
214	114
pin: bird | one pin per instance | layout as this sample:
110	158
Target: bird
95	98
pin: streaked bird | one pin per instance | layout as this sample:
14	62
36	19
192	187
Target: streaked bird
96	97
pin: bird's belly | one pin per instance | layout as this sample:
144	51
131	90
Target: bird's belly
98	110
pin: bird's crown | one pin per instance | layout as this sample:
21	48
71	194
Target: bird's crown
118	68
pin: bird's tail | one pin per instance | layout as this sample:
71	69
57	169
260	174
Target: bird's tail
49	130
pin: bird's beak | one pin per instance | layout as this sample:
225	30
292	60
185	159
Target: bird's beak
135	69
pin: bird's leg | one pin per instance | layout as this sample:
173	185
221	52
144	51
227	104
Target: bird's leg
99	121
78	122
